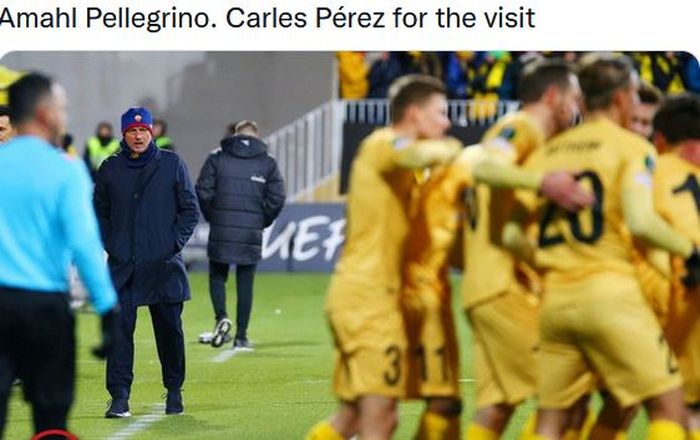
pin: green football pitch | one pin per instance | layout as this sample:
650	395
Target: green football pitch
276	392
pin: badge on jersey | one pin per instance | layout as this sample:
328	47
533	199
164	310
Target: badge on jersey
507	133
650	163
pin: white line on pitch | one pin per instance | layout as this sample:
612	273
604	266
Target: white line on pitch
467	380
140	423
224	356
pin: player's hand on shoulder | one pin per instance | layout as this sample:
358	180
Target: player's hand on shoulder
562	188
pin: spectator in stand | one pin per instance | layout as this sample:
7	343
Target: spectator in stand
490	83
382	73
425	63
690	71
353	75
649	101
662	69
160	135
240	192
457	74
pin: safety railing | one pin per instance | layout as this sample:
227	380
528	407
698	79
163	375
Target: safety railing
308	151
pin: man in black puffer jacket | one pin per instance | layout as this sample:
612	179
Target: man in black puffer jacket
240	192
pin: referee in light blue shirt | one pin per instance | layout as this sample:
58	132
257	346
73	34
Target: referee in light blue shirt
46	222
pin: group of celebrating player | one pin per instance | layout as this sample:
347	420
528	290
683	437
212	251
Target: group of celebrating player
579	257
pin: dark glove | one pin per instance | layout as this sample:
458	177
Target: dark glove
109	323
692	269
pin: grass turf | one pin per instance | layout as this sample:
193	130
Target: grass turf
276	392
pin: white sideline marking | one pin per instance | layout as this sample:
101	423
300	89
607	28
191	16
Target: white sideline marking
140	423
467	380
224	356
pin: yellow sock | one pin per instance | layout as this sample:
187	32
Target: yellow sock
435	426
478	432
665	430
585	432
529	427
323	431
693	434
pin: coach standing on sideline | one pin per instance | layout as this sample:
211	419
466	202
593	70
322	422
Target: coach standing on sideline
46	222
241	192
147	209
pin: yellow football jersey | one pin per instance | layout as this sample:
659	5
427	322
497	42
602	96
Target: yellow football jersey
378	204
594	240
436	221
489	268
677	199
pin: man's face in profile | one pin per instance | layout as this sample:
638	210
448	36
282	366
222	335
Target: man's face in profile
642	119
5	129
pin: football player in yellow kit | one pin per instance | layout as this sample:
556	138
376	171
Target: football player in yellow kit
677	199
433	357
363	297
500	306
594	320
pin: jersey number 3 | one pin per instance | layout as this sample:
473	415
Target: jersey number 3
549	236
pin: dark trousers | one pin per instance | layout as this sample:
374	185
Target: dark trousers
37	345
170	342
245	275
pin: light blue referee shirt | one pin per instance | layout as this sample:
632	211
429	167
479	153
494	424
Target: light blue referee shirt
47	221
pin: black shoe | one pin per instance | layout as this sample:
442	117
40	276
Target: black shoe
220	336
118	409
242	344
173	402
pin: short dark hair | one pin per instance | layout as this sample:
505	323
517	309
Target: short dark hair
245	124
540	74
103	124
649	94
4	110
163	125
601	75
25	94
409	90
678	118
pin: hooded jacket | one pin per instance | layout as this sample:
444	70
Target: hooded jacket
240	192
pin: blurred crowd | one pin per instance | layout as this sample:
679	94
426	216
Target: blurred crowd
492	76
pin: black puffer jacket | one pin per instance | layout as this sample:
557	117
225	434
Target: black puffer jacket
240	192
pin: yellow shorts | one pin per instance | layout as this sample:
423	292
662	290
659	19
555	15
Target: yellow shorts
683	333
601	326
505	336
433	354
370	341
656	289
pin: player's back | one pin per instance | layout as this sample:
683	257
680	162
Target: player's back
677	198
435	221
378	202
677	194
490	268
595	240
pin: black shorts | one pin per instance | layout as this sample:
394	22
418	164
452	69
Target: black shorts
37	345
